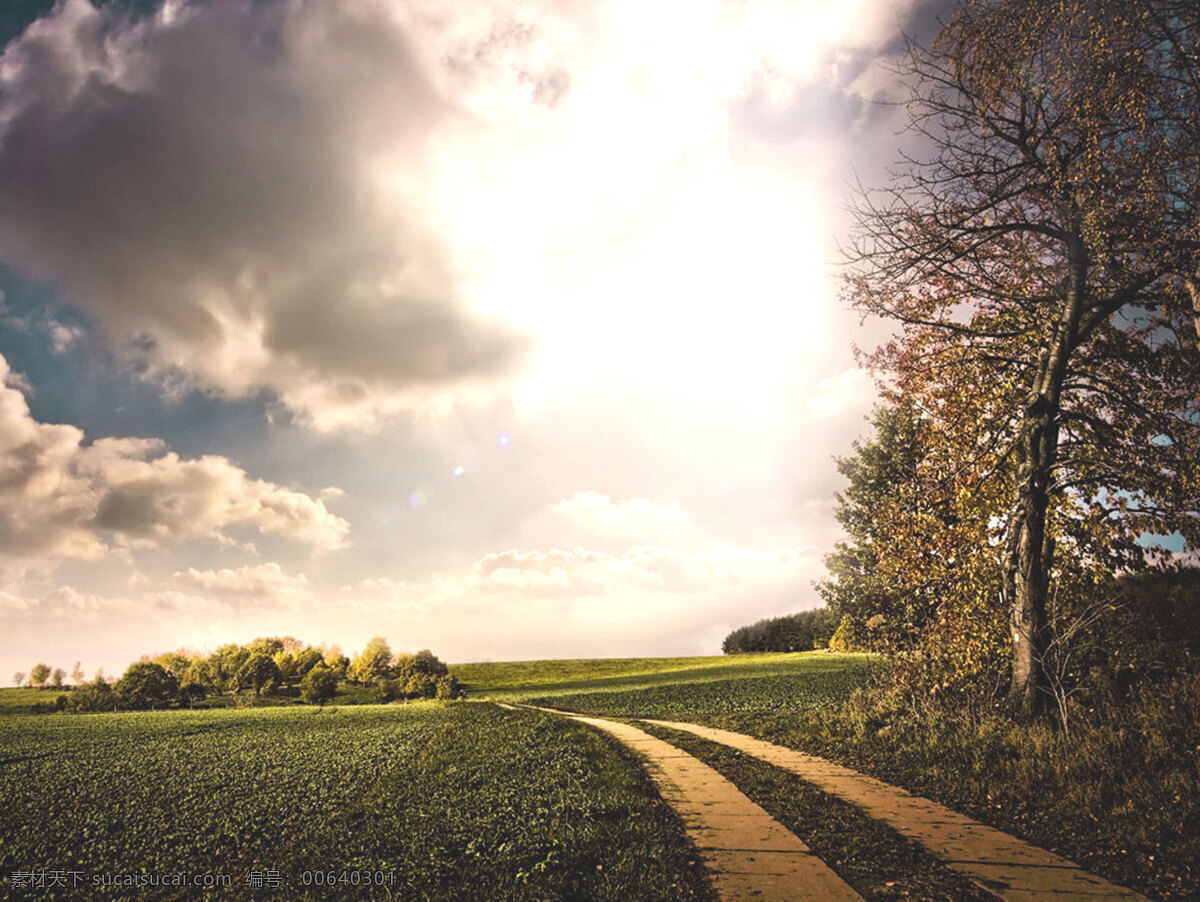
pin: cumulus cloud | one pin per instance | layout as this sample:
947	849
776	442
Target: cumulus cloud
63	603
264	585
646	600
235	192
61	497
626	598
581	572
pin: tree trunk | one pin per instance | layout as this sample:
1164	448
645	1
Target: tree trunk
1028	576
1030	547
1193	287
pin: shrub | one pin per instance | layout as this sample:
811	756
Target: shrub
95	696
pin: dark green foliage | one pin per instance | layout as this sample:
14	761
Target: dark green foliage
147	685
319	685
793	632
1150	633
306	660
259	673
882	477
388	690
95	696
190	693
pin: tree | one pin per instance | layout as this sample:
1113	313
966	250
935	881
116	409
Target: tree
306	660
77	673
57	677
176	662
200	672
192	692
338	663
446	688
224	665
266	645
1038	258
373	663
18	678
147	685
95	696
258	673
38	675
286	662
884	486
425	661
319	685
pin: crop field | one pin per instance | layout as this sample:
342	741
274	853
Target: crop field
699	699
433	801
618	683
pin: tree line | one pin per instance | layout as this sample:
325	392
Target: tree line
802	631
264	667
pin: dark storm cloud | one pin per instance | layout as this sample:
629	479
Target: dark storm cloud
234	192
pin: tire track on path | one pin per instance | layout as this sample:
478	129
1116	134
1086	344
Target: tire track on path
1003	865
749	855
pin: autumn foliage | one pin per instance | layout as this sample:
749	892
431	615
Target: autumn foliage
1039	257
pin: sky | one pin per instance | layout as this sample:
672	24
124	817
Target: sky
504	329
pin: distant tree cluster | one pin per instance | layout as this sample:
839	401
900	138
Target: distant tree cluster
402	676
803	631
280	666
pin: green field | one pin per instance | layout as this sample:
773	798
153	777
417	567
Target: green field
622	686
459	801
463	800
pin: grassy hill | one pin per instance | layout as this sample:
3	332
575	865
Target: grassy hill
613	683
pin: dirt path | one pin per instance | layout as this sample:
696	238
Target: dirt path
748	854
1001	864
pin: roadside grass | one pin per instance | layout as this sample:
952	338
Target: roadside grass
881	864
524	680
1120	794
458	801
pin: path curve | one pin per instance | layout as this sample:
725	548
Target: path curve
1003	865
749	855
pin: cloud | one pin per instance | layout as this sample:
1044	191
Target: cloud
63	603
63	498
612	597
648	600
585	573
264	585
235	192
63	335
365	207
